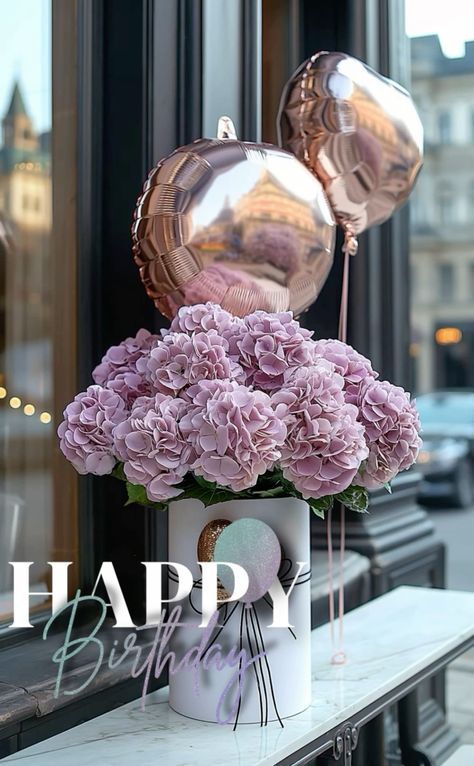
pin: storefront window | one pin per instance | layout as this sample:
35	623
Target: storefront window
441	245
26	320
442	279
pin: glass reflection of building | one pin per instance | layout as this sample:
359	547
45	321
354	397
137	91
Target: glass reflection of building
26	332
25	206
442	228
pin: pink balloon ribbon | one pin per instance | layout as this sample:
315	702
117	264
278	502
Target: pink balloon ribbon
339	656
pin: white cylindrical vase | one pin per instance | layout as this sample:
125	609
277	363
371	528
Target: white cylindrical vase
279	684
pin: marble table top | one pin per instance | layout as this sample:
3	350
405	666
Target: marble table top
388	642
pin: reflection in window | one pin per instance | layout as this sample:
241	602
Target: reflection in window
445	203
446	281
26	521
470	202
444	127
471	280
446	192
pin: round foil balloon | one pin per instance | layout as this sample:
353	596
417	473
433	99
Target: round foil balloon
255	546
357	131
240	224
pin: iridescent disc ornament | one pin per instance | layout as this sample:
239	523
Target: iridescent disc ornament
240	224
255	546
357	131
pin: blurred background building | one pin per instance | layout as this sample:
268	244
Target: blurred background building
442	219
25	334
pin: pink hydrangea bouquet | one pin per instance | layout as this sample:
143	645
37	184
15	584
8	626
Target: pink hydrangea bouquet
218	406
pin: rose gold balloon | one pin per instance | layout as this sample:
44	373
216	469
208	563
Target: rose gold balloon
215	220
358	132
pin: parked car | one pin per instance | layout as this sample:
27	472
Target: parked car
446	459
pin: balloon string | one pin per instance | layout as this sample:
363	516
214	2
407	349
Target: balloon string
339	656
341	580
342	332
349	248
330	577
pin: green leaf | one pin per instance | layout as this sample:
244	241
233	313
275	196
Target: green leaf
275	492
118	472
355	499
203	482
388	487
321	505
137	495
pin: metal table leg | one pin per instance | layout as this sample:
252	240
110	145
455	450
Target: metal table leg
408	722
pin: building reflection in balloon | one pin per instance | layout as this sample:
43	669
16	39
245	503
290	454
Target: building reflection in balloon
357	131
244	225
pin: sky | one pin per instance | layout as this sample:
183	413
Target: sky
25	54
452	20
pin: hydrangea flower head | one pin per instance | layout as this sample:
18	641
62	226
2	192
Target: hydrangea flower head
234	432
180	360
204	317
318	384
270	345
152	447
86	433
354	368
118	368
392	427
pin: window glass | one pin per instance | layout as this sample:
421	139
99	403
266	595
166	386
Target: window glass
26	382
444	127
442	307
222	64
446	281
470	202
445	203
442	292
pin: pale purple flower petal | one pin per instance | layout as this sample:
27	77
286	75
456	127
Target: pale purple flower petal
204	317
179	361
152	448
354	368
324	448
270	345
392	428
234	432
118	368
86	433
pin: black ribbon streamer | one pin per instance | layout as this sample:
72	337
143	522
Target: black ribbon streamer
250	624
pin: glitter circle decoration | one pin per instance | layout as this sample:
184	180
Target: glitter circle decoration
208	538
205	549
357	131
241	224
255	546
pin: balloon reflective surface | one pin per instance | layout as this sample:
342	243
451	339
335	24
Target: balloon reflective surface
255	546
240	224
357	131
